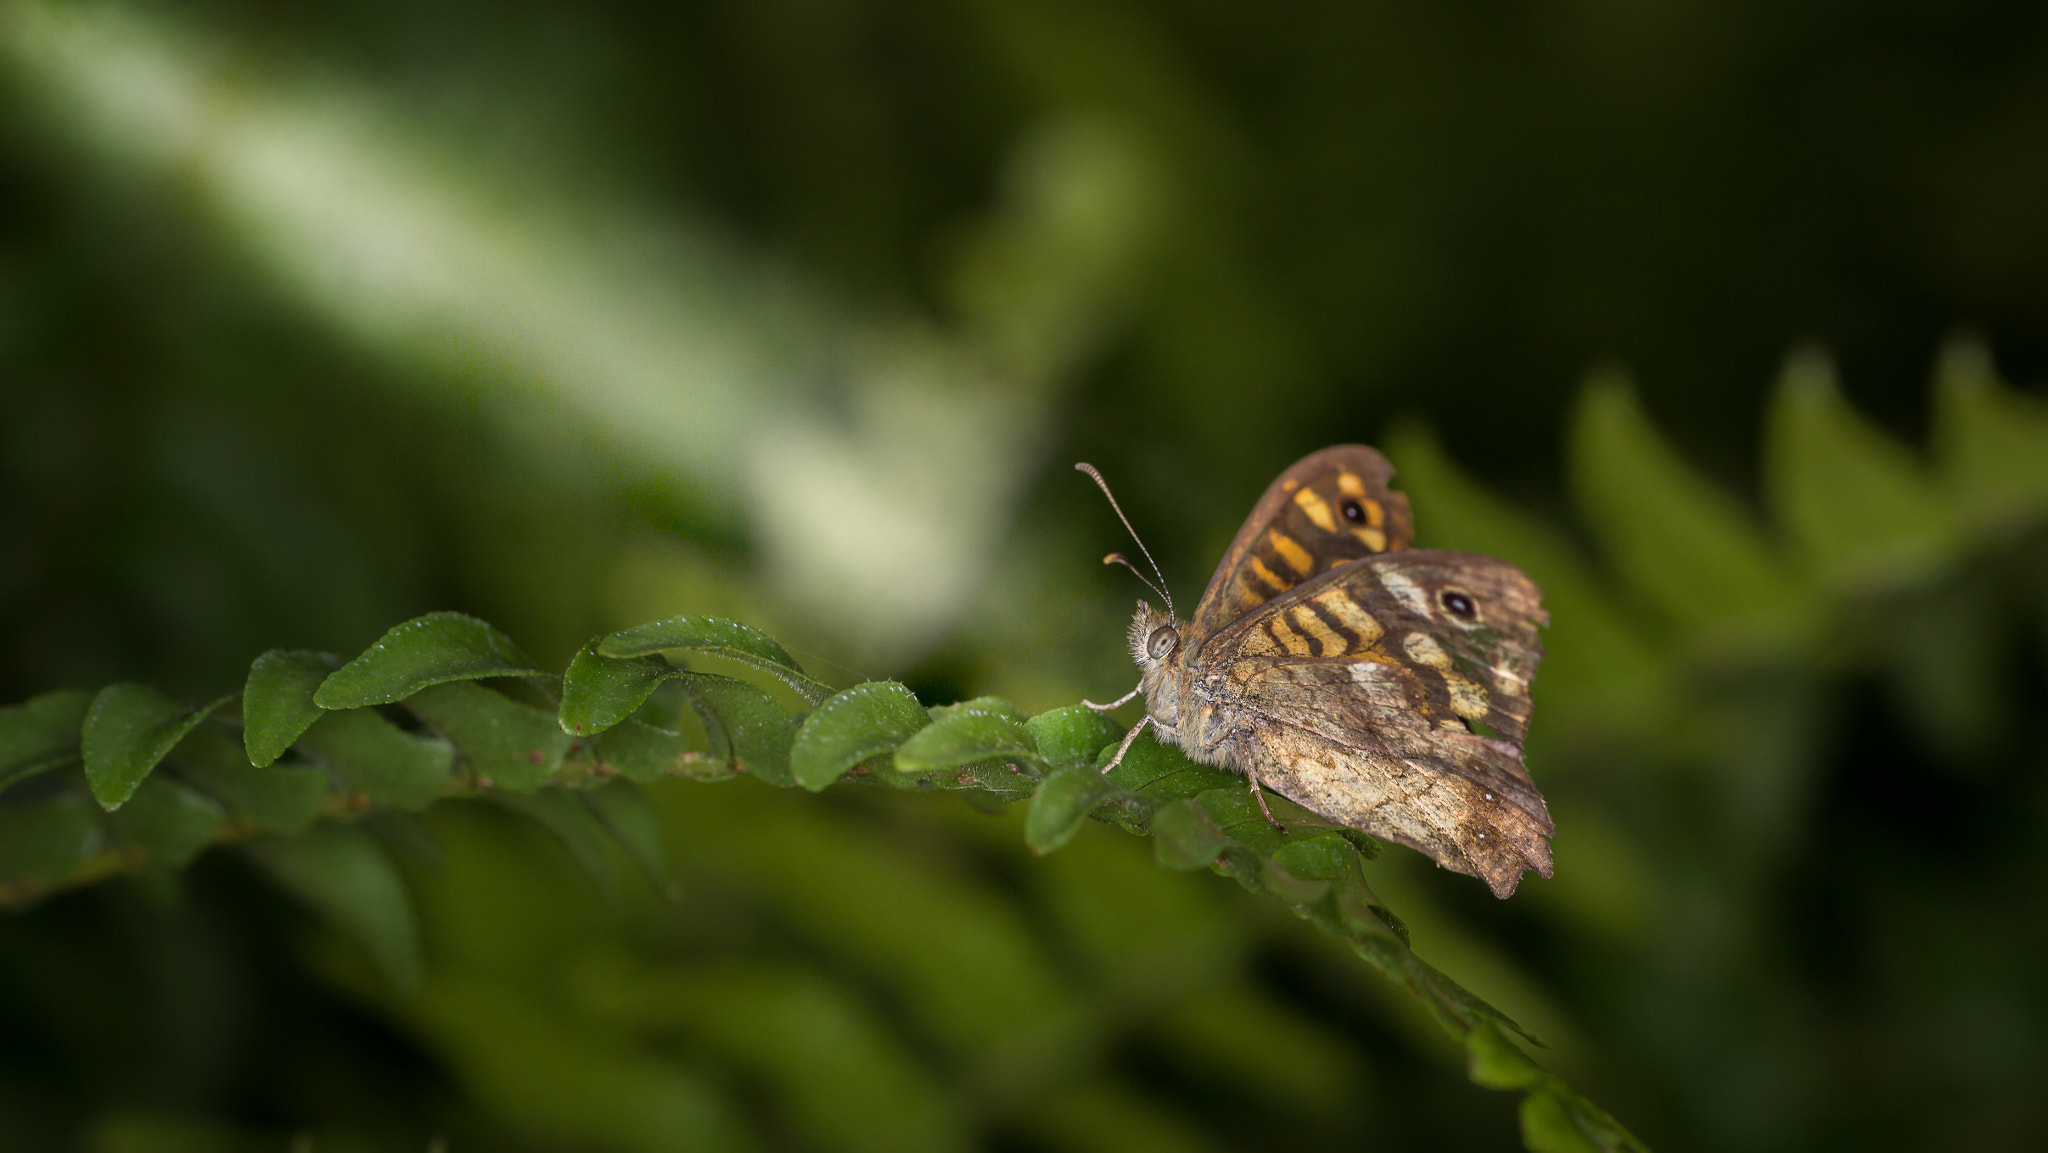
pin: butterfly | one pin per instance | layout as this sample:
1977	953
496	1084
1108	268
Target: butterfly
1380	687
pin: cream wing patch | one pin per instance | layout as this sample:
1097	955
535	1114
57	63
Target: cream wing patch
1423	650
1406	591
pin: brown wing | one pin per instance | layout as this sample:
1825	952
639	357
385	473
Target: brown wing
1392	696
1332	507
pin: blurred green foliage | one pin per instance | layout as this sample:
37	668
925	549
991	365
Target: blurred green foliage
314	320
480	742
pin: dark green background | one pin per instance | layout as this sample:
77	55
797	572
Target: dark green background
1362	214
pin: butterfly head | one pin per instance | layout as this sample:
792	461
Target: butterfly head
1156	646
1154	636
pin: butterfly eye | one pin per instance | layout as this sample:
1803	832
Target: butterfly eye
1353	511
1459	604
1162	642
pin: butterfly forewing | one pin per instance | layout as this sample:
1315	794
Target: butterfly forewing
1331	508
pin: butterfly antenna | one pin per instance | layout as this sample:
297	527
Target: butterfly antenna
1119	558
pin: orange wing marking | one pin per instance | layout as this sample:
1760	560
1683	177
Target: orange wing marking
1290	550
1272	580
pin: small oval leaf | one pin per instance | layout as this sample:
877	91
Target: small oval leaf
747	728
1185	836
1073	736
277	700
1065	798
275	798
599	691
168	821
344	873
1284	884
513	745
972	731
1318	857
1557	1120
718	637
1362	914
1161	772
128	729
1494	1061
864	721
996	705
41	733
380	760
426	650
644	753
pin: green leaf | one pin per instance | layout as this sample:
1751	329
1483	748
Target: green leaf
277	700
1185	836
630	818
1074	735
1005	779
40	733
380	760
512	745
996	705
971	731
1547	1124
1065	798
1494	1061
1681	540
1990	442
1318	856
718	637
747	728
1557	1120
343	872
276	798
866	720
641	752
428	650
564	814
1278	880
46	840
1161	772
1860	508
128	729
171	822
599	691
1362	914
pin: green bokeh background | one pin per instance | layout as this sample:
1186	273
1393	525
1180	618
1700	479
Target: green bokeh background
314	319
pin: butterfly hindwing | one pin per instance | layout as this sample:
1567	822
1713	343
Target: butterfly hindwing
1392	696
1331	508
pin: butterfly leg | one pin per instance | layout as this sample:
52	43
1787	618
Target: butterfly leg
1126	746
1117	703
1259	795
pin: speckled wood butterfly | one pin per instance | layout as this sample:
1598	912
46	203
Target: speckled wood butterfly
1383	688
